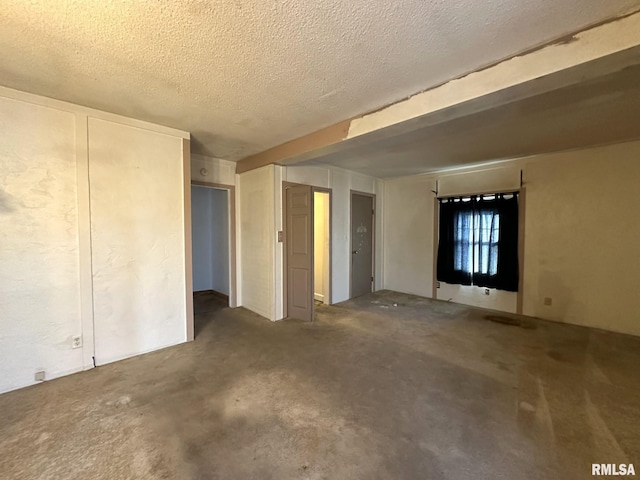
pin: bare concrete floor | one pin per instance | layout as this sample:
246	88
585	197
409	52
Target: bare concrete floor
421	390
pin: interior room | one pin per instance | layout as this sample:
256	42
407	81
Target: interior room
211	239
319	239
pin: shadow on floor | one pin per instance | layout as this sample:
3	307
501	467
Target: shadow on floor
206	307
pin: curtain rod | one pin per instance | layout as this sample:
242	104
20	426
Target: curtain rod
499	192
513	191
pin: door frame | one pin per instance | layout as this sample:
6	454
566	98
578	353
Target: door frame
231	196
285	277
373	238
328	191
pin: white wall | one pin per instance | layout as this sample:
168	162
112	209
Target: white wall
212	170
201	238
500	300
210	227
489	179
222	172
341	182
47	283
257	240
581	246
261	256
137	240
39	254
580	242
408	235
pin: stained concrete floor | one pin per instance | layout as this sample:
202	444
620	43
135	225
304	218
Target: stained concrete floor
371	390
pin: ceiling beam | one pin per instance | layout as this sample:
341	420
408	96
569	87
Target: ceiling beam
600	50
293	149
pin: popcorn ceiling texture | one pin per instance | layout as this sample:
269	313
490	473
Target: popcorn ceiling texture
245	76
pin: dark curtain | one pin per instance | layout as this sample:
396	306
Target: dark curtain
485	229
454	232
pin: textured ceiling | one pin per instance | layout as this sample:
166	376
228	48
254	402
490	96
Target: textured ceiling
243	76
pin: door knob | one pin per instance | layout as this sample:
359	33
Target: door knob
355	252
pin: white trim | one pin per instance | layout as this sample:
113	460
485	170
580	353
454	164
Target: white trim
89	112
188	254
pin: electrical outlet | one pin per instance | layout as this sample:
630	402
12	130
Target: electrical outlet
39	376
548	301
486	291
76	342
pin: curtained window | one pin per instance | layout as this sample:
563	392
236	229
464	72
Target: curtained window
478	241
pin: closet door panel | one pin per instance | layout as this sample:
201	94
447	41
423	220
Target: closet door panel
137	228
39	266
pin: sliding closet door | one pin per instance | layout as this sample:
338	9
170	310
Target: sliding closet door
137	228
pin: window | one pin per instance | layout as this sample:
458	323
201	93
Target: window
478	243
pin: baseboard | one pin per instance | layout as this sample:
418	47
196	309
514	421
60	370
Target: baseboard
215	293
319	297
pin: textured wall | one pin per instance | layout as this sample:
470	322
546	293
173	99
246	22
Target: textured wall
39	269
212	170
500	300
137	226
500	179
580	244
408	235
257	241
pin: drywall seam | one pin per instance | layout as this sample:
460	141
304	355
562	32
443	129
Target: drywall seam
84	241
586	46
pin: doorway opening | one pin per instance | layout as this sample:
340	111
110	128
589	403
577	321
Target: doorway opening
321	247
307	249
213	241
